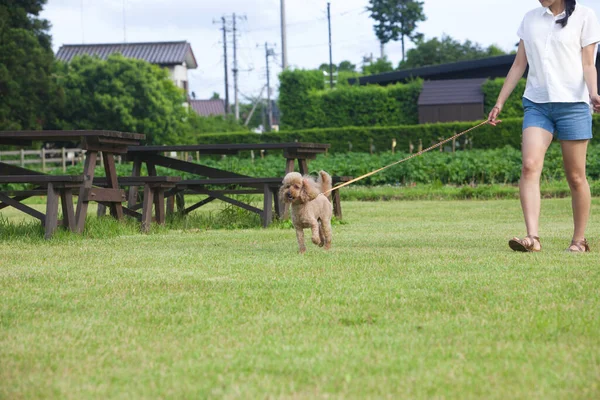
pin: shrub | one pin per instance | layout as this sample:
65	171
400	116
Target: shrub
513	106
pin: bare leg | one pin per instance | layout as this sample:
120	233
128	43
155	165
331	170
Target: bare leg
535	144
574	158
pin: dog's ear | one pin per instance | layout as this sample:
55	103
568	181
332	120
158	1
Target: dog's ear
282	191
308	192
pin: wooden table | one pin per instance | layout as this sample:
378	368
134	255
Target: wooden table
153	156
108	143
292	152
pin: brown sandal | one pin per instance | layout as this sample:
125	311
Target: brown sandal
582	246
525	245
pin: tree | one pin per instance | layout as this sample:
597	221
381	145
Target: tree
26	61
346	66
380	66
446	50
122	94
325	67
396	19
215	96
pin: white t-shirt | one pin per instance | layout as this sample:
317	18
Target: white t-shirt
554	54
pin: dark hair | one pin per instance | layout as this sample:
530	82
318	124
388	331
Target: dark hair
569	8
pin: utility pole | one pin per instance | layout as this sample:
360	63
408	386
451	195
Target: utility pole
284	63
269	53
225	58
235	70
330	55
224	29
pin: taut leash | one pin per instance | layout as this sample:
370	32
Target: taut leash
405	159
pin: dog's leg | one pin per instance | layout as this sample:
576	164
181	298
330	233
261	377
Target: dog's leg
300	237
321	234
314	227
326	227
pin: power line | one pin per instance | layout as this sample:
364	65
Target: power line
303	22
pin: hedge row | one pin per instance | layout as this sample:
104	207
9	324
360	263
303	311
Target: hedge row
362	106
305	103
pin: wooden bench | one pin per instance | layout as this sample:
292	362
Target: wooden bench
268	187
54	187
154	194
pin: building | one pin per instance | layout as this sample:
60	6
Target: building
207	108
176	57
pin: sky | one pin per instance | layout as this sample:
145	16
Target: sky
485	22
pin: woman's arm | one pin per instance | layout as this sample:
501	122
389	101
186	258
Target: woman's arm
514	75
590	75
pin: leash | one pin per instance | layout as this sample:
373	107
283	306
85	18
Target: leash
405	159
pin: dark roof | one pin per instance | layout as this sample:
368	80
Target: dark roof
162	53
206	108
454	91
492	67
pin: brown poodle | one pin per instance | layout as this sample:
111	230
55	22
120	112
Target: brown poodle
310	208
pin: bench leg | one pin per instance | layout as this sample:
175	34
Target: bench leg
159	205
132	197
66	201
147	208
180	201
51	220
171	205
88	174
275	193
267	214
337	204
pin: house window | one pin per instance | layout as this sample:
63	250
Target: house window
185	86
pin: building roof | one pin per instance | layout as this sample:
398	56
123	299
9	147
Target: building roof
454	91
492	67
207	108
162	53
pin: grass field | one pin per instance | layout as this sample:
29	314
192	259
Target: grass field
415	300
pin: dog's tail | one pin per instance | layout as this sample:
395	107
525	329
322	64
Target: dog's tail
325	182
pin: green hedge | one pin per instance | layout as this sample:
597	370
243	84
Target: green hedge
304	103
362	106
294	89
378	139
513	106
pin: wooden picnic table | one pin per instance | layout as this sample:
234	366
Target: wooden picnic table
153	156
109	143
292	152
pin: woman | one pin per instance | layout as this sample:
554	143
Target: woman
558	41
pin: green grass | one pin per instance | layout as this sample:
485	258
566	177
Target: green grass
415	300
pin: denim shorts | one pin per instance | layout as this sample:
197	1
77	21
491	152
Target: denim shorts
566	121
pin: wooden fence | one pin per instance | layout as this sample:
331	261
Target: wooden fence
63	157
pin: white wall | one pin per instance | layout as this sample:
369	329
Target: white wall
178	74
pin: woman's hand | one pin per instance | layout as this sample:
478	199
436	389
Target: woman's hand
596	103
493	117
